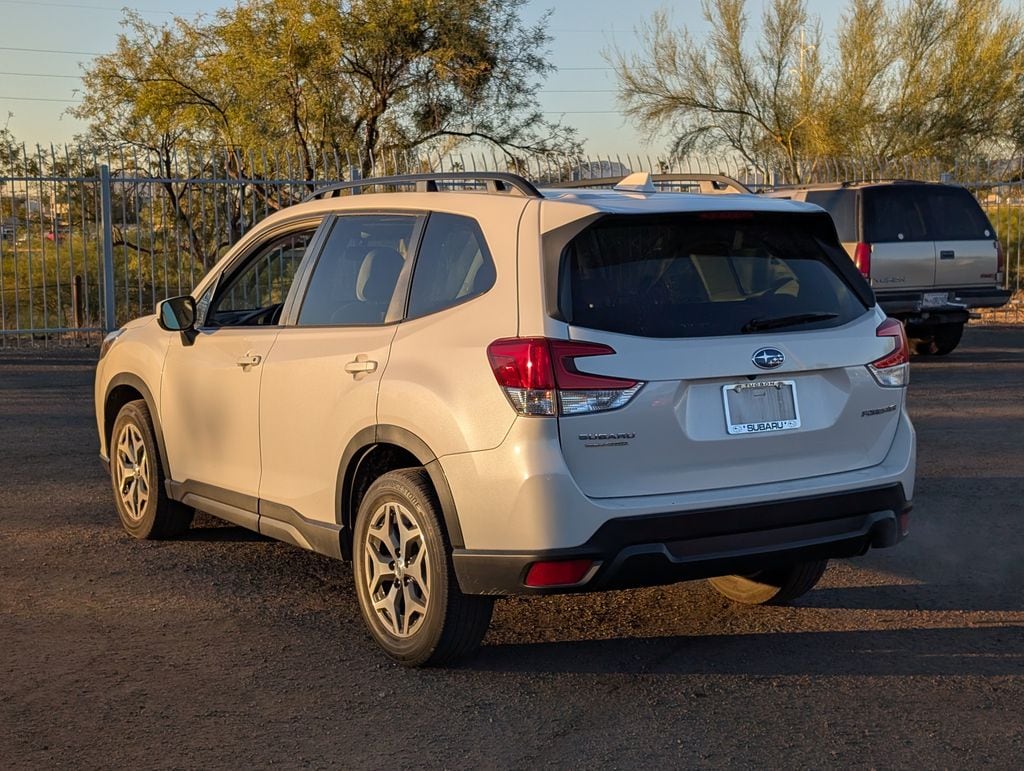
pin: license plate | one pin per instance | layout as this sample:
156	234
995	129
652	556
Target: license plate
934	299
761	406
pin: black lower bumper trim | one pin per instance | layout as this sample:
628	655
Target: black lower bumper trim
679	546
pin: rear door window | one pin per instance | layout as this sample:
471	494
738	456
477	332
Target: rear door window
686	275
842	205
357	272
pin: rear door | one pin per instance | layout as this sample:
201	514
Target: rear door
320	381
679	299
897	225
964	238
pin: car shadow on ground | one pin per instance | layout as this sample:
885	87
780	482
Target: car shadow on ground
951	651
207	528
926	597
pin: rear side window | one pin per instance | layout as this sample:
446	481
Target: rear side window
453	265
842	205
686	275
896	213
956	215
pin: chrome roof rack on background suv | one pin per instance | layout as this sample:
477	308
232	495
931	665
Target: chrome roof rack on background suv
495	182
707	183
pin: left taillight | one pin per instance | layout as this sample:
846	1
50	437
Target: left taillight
893	369
540	377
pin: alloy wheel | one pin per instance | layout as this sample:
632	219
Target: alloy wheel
397	569
131	471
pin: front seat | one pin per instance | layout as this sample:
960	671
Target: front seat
375	284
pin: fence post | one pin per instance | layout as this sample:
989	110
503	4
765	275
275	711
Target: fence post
109	318
76	302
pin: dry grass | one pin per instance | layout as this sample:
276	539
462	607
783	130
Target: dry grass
1011	313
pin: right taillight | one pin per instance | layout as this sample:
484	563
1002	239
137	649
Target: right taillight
539	376
893	369
862	259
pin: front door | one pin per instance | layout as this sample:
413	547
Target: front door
211	388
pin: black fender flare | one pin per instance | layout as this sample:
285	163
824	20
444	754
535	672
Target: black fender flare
360	446
134	381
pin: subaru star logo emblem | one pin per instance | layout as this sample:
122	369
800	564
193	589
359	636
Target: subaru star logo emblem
768	358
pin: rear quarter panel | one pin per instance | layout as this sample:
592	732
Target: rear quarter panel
438	382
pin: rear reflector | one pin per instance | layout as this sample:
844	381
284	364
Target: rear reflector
558	573
862	259
893	369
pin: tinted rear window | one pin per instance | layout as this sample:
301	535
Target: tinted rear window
842	205
956	215
923	213
687	276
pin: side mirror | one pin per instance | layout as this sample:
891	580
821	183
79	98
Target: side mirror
176	314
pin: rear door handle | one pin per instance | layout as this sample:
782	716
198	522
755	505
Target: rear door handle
249	360
947	254
361	365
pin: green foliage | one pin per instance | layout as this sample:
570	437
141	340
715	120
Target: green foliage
924	78
308	77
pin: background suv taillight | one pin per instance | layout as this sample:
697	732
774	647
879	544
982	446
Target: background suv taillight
862	259
893	369
1000	263
540	377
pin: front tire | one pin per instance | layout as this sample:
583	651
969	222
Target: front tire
406	585
137	477
771	587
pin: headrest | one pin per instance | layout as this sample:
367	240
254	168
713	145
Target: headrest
378	275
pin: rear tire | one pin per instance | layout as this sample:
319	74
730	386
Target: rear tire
137	478
771	587
938	340
947	338
406	585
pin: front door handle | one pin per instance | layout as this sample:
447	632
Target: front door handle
362	365
947	254
249	360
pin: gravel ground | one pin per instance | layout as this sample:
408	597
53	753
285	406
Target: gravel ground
224	649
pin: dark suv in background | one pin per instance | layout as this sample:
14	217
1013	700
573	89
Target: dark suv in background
928	250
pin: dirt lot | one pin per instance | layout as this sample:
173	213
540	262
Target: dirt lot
227	650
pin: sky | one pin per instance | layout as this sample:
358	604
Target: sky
45	44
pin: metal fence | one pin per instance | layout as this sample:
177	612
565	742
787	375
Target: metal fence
89	241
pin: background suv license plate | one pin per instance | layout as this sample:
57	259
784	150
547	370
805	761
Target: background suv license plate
760	406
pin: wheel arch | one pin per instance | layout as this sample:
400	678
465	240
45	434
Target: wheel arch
123	388
376	450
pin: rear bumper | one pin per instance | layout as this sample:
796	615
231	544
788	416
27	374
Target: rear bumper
911	303
677	546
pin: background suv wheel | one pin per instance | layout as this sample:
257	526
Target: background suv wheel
138	479
408	593
771	587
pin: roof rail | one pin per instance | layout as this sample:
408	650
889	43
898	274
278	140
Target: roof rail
848	183
708	183
496	182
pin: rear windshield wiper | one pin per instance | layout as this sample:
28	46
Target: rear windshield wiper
756	325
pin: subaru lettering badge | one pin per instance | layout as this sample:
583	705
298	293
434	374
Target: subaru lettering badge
768	358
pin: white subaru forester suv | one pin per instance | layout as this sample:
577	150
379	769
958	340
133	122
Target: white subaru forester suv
475	388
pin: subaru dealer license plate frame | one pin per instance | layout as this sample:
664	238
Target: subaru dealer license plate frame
760	407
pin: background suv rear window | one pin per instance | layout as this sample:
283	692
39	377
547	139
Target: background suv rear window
923	213
685	276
